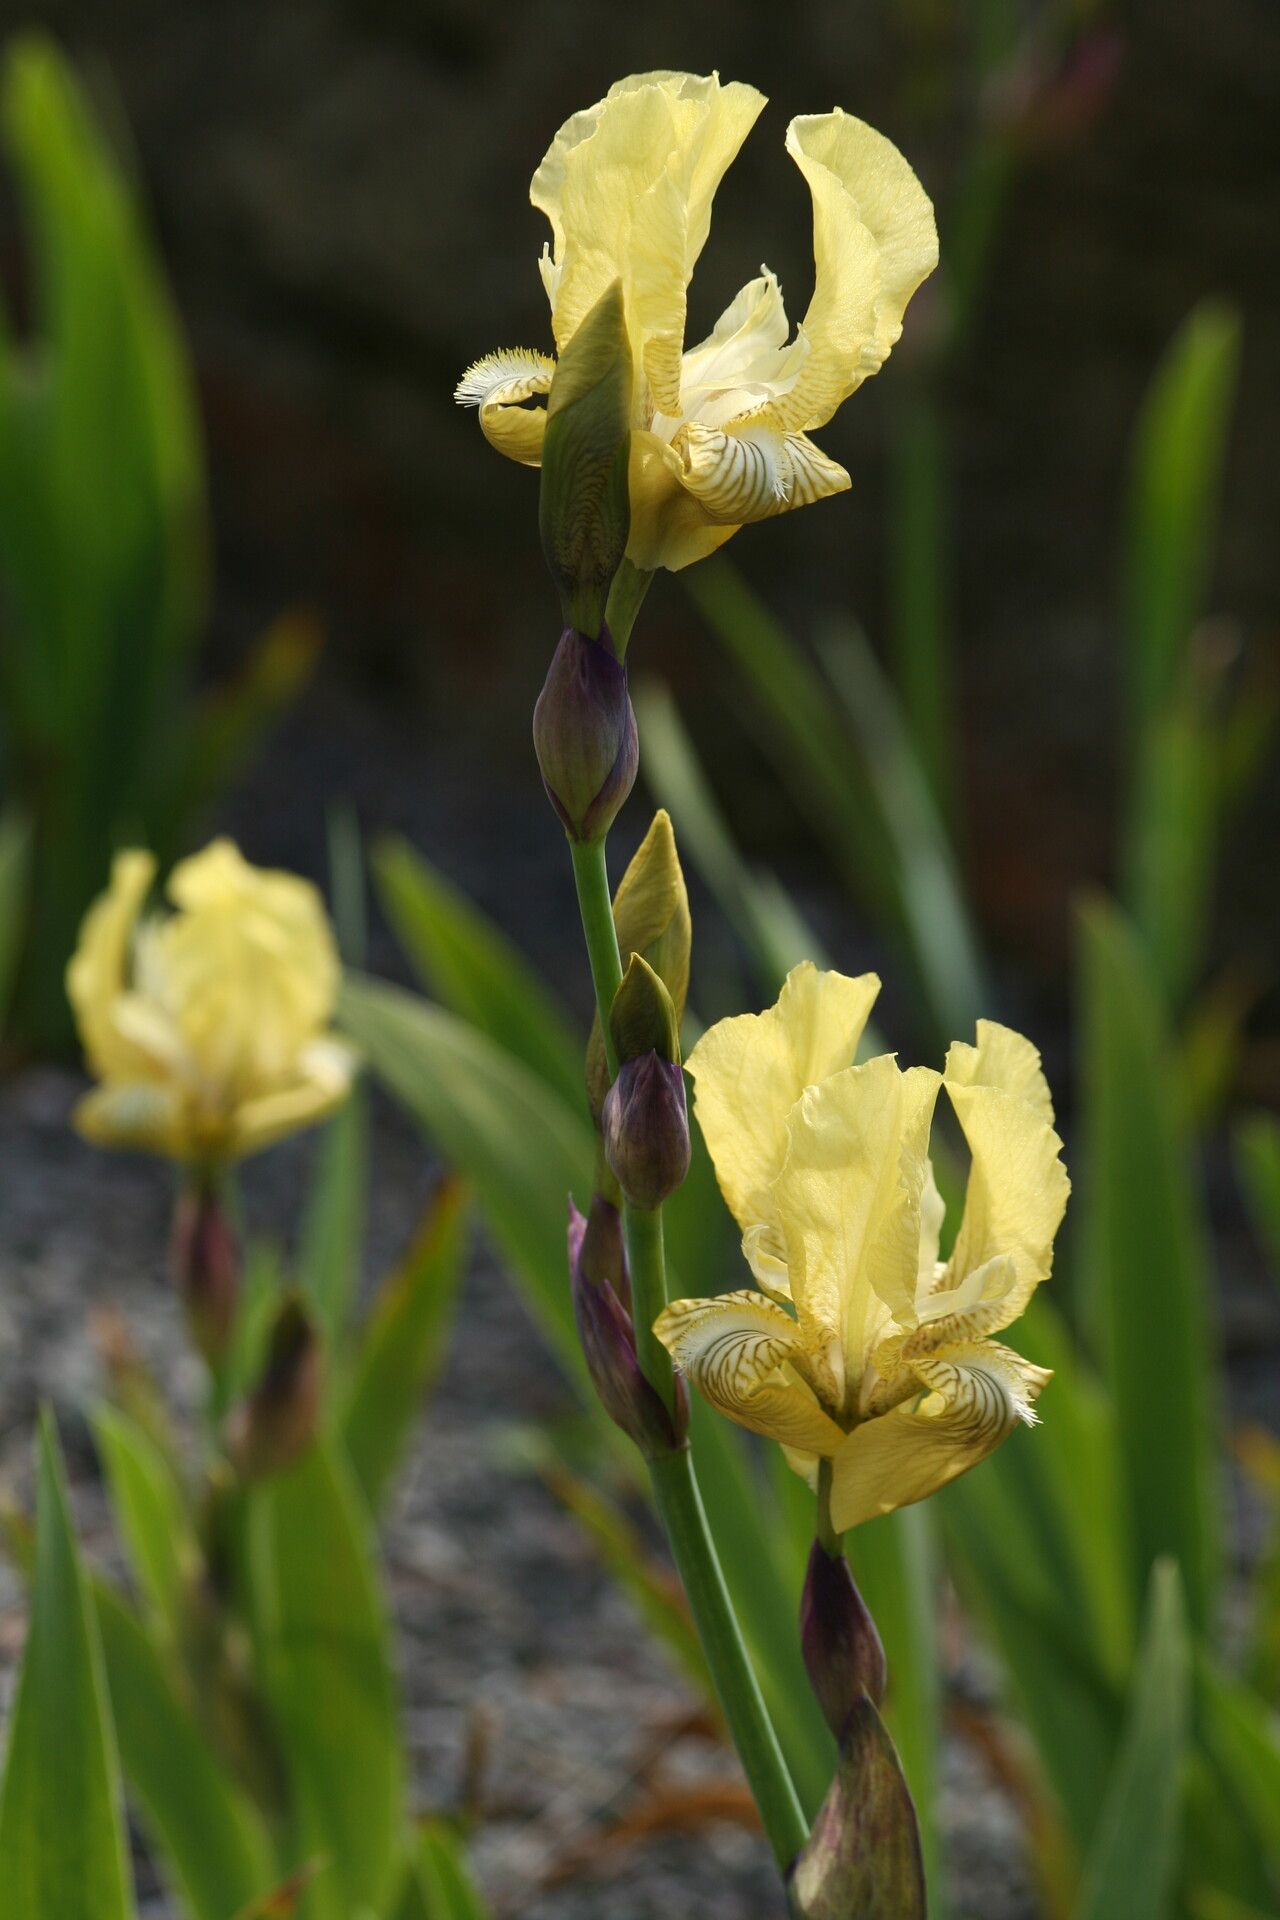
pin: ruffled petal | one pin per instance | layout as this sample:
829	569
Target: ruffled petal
1018	1186
98	972
874	241
627	187
749	1071
848	1198
499	385
743	1354
975	1397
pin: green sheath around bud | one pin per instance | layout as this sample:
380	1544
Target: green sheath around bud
584	510
862	1861
642	1018
584	734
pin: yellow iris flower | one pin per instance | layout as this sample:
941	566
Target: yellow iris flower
864	1348
720	432
207	1027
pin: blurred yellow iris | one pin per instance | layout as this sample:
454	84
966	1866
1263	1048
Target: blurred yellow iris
720	432
208	1026
864	1348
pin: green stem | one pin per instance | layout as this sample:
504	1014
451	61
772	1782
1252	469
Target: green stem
679	1501
675	1483
647	1265
595	905
828	1538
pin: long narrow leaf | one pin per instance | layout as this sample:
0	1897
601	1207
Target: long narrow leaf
326	1666
1258	1163
62	1843
1144	1246
333	1224
150	1515
207	1835
760	913
467	964
1134	1859
826	769
403	1343
522	1147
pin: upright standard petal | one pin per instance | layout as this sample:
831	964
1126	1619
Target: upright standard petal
975	1397
874	241
500	386
749	1071
98	972
627	187
848	1198
1018	1186
748	1358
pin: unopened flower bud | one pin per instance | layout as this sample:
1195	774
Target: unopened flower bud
205	1258
584	733
646	1129
843	1654
651	914
584	507
601	1296
863	1856
273	1427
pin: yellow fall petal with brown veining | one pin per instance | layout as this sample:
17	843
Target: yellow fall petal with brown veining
865	1349
207	1027
719	430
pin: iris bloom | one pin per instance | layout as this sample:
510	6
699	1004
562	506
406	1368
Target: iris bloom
207	1026
864	1348
720	431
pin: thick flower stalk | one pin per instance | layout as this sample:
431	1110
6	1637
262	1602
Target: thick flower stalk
719	431
864	1350
207	1028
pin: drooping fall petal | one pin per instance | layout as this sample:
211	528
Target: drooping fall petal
975	1397
742	1354
500	386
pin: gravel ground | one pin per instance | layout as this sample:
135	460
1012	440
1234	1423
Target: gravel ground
513	1643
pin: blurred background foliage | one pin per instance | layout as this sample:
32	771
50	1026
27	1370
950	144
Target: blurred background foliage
1001	723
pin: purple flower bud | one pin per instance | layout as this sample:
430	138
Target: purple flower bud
598	1273
205	1259
584	733
645	1124
843	1654
273	1427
